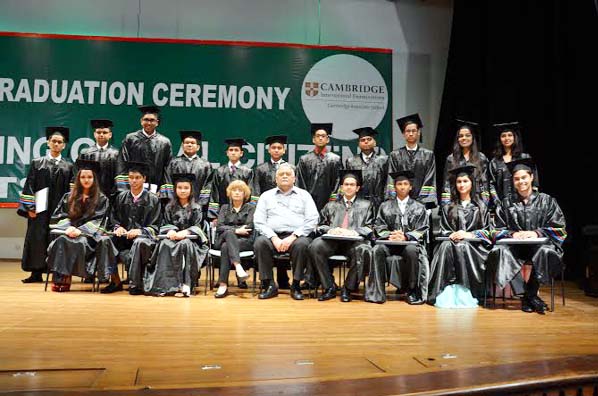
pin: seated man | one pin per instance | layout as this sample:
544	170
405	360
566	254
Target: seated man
527	214
284	218
401	219
349	216
135	219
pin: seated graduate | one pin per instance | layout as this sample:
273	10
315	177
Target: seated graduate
529	214
80	216
177	260
135	219
234	233
349	216
458	261
400	219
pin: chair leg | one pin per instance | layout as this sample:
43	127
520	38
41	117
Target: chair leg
563	285
47	279
551	294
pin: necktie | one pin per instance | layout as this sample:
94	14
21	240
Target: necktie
233	170
276	164
346	218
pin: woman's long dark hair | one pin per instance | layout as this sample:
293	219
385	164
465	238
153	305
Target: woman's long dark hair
474	153
79	208
453	206
516	149
174	202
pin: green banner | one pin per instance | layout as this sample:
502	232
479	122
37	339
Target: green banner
224	89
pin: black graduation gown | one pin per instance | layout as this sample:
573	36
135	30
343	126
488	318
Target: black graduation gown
155	151
375	176
202	185
319	176
501	181
108	159
177	263
361	217
481	179
414	223
42	173
461	262
422	163
221	180
143	214
541	214
264	178
80	256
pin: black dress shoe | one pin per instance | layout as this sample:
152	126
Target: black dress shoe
345	295
526	306
309	286
89	279
538	301
243	285
296	293
537	304
414	299
33	278
135	291
328	294
271	291
111	288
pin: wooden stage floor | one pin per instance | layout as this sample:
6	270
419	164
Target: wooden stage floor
88	343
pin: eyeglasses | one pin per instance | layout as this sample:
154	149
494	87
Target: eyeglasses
149	119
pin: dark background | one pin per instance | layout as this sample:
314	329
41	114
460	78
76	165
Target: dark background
533	62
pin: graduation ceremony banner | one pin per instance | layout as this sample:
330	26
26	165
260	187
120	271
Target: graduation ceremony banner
224	89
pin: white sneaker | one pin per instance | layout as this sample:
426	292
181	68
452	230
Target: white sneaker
241	273
186	290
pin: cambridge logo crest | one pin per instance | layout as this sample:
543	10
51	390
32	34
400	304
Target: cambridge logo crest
311	88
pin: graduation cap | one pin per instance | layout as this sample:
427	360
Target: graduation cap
235	142
410	119
473	127
365	131
149	109
62	131
468	169
96	124
141	167
526	164
404	174
183	177
192	134
514	127
282	139
357	174
327	127
83	164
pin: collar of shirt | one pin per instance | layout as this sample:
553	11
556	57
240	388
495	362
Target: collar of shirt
367	157
291	191
465	203
403	202
56	159
352	200
236	164
411	149
136	197
321	152
190	158
149	136
279	162
104	147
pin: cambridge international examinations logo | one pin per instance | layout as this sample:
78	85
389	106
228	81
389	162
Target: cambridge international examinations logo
346	90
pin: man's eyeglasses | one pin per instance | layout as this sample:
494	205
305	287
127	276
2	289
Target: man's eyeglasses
149	119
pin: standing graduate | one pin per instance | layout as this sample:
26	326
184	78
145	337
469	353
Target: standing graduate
349	216
190	162
135	220
400	219
509	147
416	159
105	155
177	260
265	173
459	261
318	170
467	149
233	170
528	214
80	216
47	181
373	166
145	145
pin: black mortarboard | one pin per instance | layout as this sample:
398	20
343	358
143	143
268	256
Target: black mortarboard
356	173
183	177
405	174
473	127
365	131
410	119
192	134
514	127
526	164
282	139
321	126
95	124
468	169
141	167
63	131
149	109
88	164
235	142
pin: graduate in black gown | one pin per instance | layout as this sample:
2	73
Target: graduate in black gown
135	221
48	179
459	261
80	217
318	170
466	149
374	167
349	216
234	234
233	170
177	260
145	145
405	267
529	214
190	162
509	146
105	154
416	159
265	173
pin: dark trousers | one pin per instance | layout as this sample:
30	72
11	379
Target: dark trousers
410	256
230	245
358	253
264	252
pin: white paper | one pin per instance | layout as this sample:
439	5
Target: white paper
151	187
41	200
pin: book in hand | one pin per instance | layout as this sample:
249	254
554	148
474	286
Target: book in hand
343	237
395	243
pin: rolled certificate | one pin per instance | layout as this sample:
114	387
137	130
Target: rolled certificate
527	241
445	238
343	237
395	243
190	236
